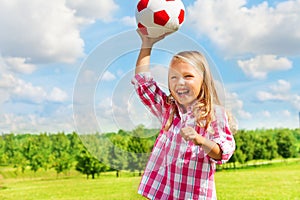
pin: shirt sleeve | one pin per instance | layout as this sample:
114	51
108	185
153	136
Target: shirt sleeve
150	94
222	135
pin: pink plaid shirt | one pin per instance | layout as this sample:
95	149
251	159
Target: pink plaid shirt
178	169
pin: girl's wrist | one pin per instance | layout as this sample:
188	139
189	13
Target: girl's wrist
147	45
199	140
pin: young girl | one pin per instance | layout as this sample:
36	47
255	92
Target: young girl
195	134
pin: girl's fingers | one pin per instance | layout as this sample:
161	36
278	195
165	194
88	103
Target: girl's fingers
188	133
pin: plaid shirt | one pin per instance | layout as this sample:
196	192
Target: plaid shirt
178	169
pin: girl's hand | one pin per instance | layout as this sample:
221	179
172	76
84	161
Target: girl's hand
148	42
188	133
211	148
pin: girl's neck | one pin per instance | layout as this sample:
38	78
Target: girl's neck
186	108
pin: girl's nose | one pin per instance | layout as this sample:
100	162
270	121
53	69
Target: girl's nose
181	81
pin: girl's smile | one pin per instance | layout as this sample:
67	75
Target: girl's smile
182	92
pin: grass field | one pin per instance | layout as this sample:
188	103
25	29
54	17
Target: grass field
278	181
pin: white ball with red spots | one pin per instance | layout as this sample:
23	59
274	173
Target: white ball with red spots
157	17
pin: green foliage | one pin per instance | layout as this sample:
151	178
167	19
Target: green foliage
60	152
89	165
36	150
265	145
244	146
138	150
3	156
126	150
286	143
11	147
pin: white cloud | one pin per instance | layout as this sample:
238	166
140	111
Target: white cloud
47	31
121	108
281	91
19	65
23	91
34	123
96	118
57	95
278	92
7	81
260	66
19	90
266	113
94	9
286	113
295	100
282	86
41	31
238	29
88	77
129	21
13	123
236	106
108	76
267	96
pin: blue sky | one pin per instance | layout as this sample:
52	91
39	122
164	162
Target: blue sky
54	75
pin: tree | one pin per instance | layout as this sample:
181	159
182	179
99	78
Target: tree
138	149
32	150
286	144
11	147
76	145
63	163
296	133
238	155
89	165
117	152
45	148
246	145
265	147
98	145
60	148
3	156
270	146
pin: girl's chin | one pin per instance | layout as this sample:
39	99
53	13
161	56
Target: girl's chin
186	103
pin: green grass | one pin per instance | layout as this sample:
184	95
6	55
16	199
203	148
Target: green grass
278	181
74	188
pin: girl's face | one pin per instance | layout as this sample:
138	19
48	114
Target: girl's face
185	82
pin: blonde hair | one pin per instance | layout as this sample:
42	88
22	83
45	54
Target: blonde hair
203	110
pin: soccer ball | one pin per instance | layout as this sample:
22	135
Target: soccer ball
158	17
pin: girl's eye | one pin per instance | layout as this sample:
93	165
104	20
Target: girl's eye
188	76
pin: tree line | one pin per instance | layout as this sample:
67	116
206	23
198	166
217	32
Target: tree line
92	154
266	145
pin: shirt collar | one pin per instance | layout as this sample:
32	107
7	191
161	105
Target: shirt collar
189	109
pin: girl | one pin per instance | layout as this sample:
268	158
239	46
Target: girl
195	134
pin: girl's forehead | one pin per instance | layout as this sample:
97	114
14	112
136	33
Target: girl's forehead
182	67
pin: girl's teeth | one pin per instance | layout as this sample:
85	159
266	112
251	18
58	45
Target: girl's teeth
182	91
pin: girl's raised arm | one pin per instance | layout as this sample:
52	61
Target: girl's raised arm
143	60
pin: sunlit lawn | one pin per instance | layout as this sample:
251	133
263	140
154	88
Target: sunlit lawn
280	181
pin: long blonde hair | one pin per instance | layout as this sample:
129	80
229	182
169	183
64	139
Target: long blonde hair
203	110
